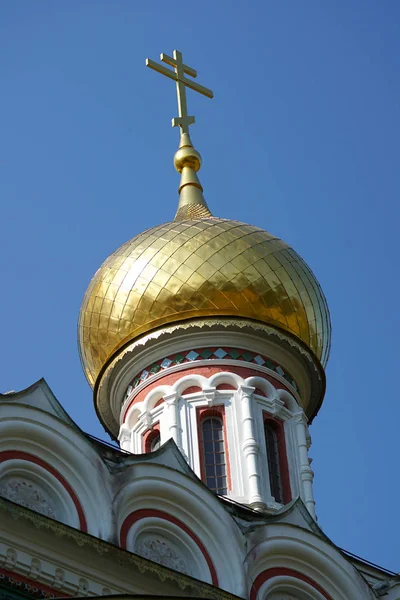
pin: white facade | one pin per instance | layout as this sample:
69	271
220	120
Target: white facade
244	410
154	505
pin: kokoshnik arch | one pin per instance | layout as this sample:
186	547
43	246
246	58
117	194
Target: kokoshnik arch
205	341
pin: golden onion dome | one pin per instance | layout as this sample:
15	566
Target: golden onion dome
199	267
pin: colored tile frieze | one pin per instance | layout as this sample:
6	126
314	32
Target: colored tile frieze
210	354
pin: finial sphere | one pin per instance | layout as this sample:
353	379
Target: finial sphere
187	157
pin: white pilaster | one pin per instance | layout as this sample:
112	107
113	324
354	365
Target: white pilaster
173	418
306	472
251	448
125	438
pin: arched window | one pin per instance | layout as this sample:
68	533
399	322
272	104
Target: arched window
275	479
214	461
155	442
152	439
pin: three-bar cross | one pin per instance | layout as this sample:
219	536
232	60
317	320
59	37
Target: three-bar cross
182	82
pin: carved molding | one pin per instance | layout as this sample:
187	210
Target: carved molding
27	494
162	552
105	384
199	589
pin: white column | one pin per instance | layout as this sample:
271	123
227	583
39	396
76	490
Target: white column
173	418
125	438
306	472
251	448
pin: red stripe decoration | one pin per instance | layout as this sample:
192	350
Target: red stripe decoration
135	516
283	571
17	454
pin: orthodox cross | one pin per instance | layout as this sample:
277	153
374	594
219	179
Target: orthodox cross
182	82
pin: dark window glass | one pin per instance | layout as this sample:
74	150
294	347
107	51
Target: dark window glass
155	443
275	480
214	454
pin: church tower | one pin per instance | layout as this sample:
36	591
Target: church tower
213	333
205	342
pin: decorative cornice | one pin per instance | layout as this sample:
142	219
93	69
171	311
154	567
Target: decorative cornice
115	553
109	378
17	586
300	417
210	394
171	398
195	355
208	323
247	390
204	363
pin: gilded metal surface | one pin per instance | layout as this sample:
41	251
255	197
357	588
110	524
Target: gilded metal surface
182	82
192	211
187	156
187	161
198	268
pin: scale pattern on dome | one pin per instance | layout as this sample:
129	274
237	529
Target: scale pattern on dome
197	268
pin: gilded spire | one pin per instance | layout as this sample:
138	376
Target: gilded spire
187	160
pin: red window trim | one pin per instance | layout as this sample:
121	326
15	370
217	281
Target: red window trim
20	455
203	412
149	436
143	513
283	571
278	426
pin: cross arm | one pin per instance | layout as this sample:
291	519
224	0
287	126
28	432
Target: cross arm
173	63
172	75
157	67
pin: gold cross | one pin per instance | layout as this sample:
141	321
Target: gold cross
182	82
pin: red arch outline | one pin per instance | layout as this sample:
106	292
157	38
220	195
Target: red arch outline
203	412
135	516
278	571
206	371
17	454
149	436
279	428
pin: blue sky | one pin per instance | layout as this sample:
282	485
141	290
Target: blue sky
301	139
